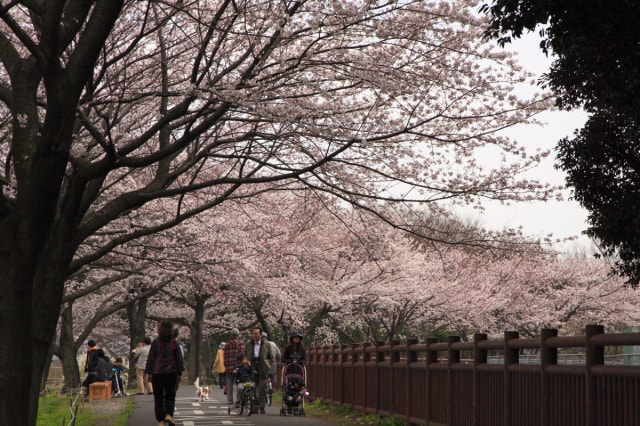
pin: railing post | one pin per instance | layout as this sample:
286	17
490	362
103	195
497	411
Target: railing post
431	357
453	357
394	358
412	357
345	386
366	359
511	357
324	379
358	387
335	372
479	358
548	356
379	360
594	356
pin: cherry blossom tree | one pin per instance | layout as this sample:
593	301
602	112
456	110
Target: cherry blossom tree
121	114
95	304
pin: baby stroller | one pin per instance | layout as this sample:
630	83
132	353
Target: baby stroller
294	389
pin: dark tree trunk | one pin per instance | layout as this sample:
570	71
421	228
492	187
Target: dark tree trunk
47	367
194	355
17	399
68	351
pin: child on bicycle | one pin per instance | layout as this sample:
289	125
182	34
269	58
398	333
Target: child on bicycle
242	374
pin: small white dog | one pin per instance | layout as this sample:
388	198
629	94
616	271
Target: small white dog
202	392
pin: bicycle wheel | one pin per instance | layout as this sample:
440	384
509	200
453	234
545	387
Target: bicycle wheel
243	402
251	403
269	392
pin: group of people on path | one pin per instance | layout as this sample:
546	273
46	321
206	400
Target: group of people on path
259	357
99	368
160	364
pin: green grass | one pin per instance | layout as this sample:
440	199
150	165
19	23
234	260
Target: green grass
54	410
341	415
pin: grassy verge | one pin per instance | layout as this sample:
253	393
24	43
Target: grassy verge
56	410
345	416
341	415
53	410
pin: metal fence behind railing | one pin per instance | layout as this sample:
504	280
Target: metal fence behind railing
76	400
457	383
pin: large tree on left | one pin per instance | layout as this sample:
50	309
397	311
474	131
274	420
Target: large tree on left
39	225
121	119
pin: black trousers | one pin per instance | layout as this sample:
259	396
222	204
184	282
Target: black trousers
91	377
164	394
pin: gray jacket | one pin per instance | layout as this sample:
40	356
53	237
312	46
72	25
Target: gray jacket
276	357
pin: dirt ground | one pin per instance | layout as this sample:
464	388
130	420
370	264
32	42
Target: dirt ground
104	409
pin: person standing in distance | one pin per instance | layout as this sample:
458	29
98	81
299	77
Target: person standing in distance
183	350
140	354
164	366
218	366
90	365
277	356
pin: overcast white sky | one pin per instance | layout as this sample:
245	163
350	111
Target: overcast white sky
562	219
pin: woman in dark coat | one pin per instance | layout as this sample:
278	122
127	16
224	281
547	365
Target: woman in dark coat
104	368
294	352
165	366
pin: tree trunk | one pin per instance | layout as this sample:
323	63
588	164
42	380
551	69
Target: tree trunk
17	396
196	339
68	351
47	367
30	299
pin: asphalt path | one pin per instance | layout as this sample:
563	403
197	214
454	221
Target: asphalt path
191	412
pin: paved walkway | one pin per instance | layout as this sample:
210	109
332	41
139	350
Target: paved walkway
190	412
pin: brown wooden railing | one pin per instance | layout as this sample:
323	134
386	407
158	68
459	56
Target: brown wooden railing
453	383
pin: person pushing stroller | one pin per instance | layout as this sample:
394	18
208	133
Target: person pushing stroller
294	376
294	353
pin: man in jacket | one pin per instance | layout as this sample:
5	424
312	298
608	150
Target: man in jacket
90	365
258	350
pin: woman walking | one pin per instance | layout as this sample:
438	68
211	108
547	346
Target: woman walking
218	366
165	366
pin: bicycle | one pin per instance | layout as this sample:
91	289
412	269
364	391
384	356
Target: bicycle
247	399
